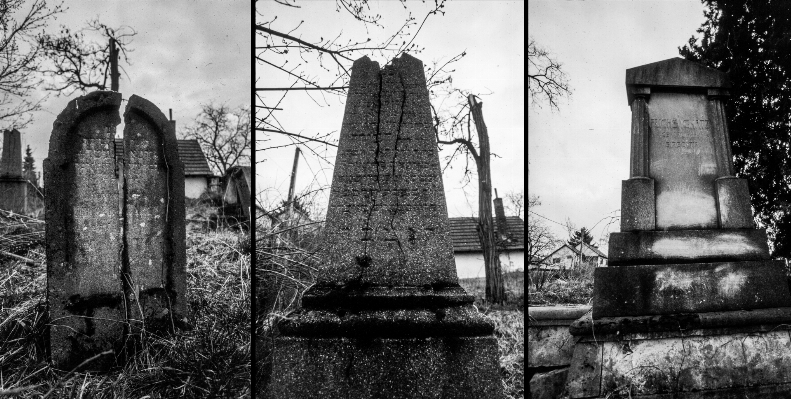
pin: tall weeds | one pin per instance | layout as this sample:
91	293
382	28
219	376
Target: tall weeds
211	360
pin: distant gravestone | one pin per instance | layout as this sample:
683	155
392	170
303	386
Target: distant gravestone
237	194
115	245
386	317
12	183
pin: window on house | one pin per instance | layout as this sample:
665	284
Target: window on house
555	260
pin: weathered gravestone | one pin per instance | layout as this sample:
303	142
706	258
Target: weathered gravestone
115	244
386	317
236	196
12	183
691	302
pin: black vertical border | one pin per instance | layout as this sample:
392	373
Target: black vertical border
253	191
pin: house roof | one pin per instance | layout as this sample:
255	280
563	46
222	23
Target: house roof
575	250
190	153
464	235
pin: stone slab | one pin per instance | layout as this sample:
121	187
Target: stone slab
560	313
548	338
690	365
549	385
83	234
154	216
689	288
387	216
549	346
396	323
657	326
389	297
448	368
638	206
687	246
733	203
584	378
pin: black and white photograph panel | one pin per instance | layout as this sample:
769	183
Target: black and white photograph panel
658	205
389	224
125	249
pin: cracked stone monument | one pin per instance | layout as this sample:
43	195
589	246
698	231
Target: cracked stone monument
12	183
116	259
691	304
386	317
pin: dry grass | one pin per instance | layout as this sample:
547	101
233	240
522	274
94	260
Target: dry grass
574	286
210	361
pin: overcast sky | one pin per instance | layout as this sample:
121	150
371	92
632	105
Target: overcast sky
185	53
579	155
493	37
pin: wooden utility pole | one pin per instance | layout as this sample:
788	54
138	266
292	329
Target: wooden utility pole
113	66
290	201
495	289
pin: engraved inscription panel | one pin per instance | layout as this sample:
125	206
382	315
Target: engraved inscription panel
96	228
682	161
145	172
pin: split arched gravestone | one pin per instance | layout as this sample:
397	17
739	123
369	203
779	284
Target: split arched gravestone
116	260
386	317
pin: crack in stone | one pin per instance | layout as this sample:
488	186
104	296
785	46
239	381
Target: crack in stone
378	183
395	154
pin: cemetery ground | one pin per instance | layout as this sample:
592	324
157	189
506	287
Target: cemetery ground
284	271
211	360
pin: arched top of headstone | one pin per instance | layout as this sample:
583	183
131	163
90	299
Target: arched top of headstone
675	72
147	110
74	112
151	112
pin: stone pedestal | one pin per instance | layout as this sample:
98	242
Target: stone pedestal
691	305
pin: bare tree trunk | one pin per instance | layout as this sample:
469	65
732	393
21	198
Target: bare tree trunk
495	290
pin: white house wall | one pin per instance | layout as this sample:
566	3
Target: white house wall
194	186
470	264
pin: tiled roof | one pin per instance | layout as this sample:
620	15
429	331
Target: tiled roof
464	236
191	155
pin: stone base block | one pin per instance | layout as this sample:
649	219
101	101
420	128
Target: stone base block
549	342
688	288
638	204
719	363
440	367
549	385
733	203
687	246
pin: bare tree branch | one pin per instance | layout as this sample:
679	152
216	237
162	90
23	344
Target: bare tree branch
546	80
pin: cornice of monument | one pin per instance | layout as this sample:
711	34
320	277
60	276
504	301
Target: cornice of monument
675	73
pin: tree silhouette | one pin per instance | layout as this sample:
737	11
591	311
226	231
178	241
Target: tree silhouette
581	235
749	42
